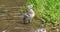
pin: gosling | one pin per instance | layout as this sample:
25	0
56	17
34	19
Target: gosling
29	15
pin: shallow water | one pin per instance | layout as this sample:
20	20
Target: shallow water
9	17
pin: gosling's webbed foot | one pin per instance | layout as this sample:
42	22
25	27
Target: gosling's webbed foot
26	22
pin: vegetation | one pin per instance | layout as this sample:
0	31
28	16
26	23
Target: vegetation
47	11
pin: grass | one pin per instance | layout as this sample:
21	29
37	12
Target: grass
47	11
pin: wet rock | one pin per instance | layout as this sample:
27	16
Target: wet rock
41	30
